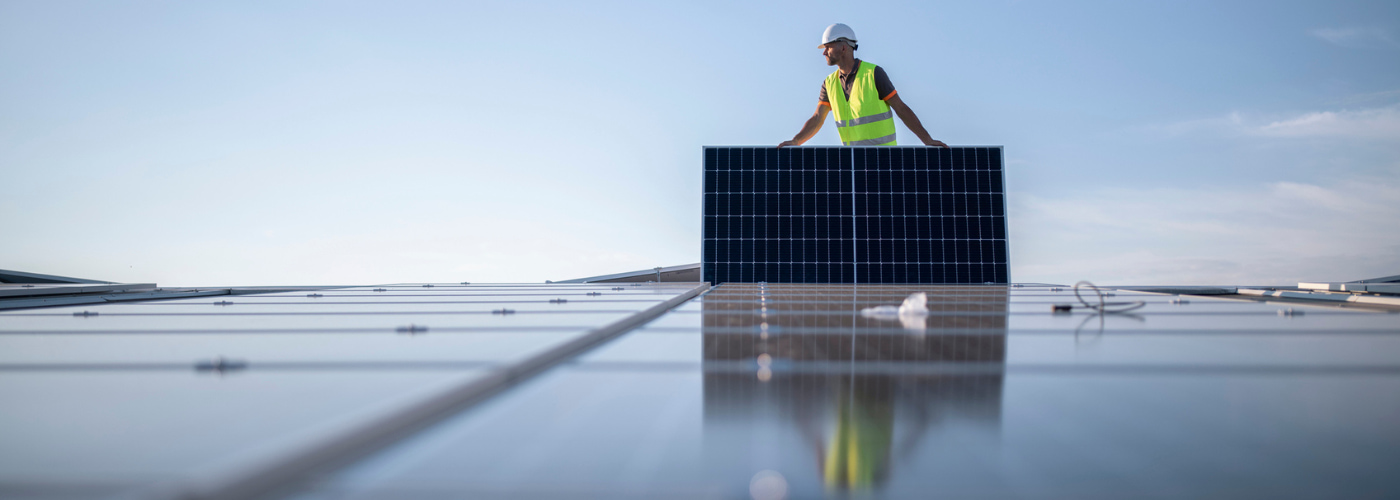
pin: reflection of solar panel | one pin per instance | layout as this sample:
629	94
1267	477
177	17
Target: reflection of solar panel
854	215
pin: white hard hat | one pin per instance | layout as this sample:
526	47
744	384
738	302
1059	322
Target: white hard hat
836	32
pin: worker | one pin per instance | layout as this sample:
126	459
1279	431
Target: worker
862	96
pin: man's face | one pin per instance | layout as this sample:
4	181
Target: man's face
833	51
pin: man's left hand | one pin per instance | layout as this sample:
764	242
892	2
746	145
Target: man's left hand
936	144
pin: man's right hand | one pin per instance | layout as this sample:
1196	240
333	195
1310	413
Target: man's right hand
788	143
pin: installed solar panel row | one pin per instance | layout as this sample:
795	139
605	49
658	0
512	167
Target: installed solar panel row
854	215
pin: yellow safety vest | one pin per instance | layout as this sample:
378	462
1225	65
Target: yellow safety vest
864	119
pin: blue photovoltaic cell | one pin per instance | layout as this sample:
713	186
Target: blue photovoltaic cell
854	215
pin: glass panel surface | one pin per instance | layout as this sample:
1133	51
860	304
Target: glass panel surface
756	389
66	428
133	397
332	305
372	319
645	347
640	433
259	349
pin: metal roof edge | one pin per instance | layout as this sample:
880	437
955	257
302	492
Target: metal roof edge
8	276
633	274
1383	279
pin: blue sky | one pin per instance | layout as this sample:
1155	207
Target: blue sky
239	143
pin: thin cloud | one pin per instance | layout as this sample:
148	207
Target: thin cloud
1233	122
1378	123
1356	38
1267	233
1316	196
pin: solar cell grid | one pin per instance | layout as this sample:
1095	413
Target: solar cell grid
854	215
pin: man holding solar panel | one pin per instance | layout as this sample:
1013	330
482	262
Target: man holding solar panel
862	96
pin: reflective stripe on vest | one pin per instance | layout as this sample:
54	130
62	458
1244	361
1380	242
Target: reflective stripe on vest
878	141
863	119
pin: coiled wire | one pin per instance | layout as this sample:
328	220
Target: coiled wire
1105	307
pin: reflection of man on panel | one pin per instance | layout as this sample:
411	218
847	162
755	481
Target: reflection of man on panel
858	454
862	96
848	416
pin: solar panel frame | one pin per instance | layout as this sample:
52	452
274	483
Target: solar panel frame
862	214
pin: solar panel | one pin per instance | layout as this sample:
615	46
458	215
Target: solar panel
854	215
282	374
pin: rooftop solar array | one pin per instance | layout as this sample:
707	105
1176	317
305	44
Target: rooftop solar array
147	399
854	215
790	391
745	391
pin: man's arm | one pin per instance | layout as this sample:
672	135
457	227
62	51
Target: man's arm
810	128
912	121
